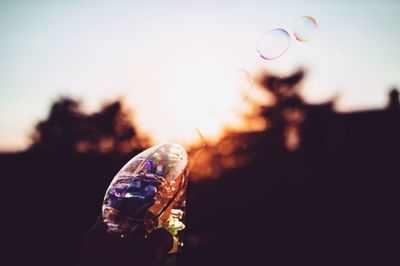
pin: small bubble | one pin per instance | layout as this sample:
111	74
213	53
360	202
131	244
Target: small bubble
305	28
273	44
241	82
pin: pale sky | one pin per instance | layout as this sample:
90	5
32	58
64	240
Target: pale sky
160	54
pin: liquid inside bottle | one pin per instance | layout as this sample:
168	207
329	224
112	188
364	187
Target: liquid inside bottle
148	193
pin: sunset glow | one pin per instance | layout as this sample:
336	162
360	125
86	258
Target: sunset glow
192	89
174	63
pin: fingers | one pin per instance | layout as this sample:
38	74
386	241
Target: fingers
153	249
101	248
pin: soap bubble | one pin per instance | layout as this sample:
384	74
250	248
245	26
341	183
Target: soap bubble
305	28
148	192
238	81
273	44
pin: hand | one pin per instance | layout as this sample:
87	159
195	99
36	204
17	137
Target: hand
103	249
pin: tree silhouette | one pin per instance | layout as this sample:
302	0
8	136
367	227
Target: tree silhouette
283	117
68	129
286	113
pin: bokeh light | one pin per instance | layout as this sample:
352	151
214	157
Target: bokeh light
273	44
305	28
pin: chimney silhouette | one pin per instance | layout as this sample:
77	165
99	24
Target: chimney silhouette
394	99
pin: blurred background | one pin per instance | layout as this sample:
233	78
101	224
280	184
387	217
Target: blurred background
295	160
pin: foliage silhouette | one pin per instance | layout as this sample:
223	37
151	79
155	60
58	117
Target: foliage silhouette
314	186
68	129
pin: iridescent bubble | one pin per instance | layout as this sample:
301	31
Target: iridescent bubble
273	44
305	28
238	81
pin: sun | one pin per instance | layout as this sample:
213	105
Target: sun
200	91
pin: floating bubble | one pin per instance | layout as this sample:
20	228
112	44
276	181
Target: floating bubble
203	145
238	81
305	28
273	44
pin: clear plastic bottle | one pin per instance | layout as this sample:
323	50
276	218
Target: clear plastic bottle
148	193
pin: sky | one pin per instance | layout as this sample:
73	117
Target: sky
172	60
